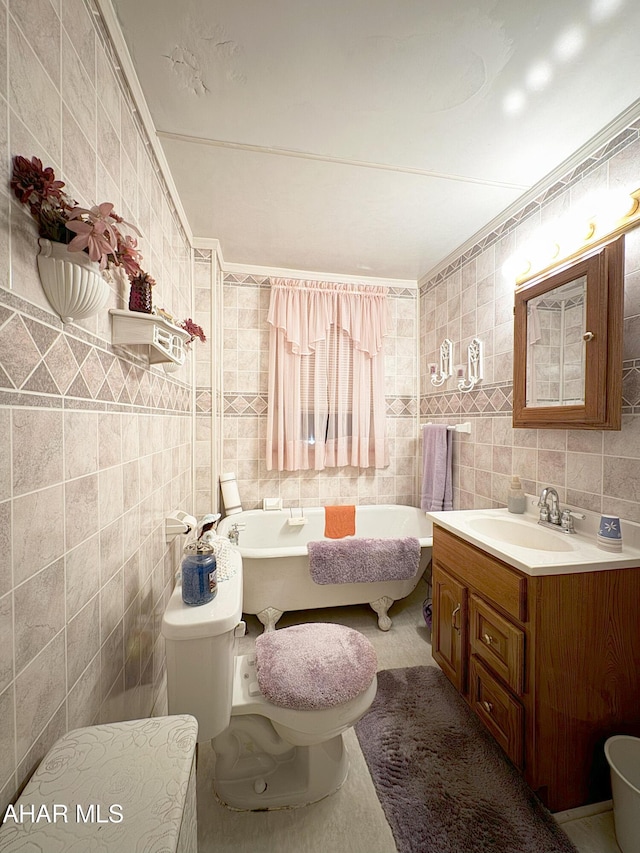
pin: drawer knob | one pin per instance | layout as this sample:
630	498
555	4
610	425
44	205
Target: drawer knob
487	706
488	639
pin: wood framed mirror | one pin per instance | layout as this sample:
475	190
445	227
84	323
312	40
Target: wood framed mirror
567	365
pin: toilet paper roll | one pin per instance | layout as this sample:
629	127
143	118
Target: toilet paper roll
230	493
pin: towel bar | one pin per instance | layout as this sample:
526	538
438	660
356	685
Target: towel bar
465	427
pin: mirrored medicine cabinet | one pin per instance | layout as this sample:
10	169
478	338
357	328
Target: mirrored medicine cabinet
567	367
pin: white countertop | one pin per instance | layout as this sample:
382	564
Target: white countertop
582	553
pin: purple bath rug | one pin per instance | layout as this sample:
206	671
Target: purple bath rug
444	784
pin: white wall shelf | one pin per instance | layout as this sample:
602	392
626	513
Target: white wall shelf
164	340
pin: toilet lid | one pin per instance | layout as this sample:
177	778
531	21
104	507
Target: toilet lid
313	666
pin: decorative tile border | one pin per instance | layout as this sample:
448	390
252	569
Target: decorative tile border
498	399
631	386
401	407
486	400
241	278
40	363
204	401
245	405
625	138
403	292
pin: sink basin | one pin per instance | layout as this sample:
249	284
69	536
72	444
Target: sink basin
524	534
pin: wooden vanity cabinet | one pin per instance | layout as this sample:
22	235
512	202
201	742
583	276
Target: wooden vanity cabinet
549	664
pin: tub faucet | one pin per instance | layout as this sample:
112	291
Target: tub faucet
234	533
548	514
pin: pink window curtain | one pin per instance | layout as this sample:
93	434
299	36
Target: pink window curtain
326	376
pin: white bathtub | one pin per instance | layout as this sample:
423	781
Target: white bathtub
276	561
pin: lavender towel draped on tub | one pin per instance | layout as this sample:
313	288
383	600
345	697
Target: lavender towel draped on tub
363	560
437	488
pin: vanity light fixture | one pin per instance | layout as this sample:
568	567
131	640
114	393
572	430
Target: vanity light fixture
438	377
474	366
597	220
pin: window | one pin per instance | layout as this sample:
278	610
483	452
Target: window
326	376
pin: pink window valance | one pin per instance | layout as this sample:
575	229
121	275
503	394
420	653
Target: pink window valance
306	310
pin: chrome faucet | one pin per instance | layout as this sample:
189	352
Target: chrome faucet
547	514
234	532
553	516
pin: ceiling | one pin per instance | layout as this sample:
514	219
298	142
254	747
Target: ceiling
372	137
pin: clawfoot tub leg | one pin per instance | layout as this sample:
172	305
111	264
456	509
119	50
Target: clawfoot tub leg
381	606
269	616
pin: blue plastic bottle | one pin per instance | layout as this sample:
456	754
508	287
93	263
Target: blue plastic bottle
199	580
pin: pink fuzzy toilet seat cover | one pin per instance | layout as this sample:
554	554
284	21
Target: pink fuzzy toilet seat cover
314	666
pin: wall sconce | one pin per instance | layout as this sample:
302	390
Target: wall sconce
599	218
474	366
438	377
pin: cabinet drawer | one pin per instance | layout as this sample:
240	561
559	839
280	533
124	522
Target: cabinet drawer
483	572
498	642
500	712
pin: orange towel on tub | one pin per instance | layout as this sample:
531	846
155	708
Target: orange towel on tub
339	521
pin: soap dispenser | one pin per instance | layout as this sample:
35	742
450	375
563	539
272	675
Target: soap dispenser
516	499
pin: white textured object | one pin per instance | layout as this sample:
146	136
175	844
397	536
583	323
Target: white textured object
144	767
72	282
226	567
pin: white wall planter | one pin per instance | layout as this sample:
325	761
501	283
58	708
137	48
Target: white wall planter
72	282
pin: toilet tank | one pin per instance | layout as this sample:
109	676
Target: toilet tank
200	648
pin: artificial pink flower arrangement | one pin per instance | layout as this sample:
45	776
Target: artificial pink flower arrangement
194	330
98	230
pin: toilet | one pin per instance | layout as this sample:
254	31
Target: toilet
275	717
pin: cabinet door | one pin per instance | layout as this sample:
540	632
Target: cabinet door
450	626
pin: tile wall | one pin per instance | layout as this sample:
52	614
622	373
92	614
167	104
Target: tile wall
208	300
596	470
96	447
245	352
